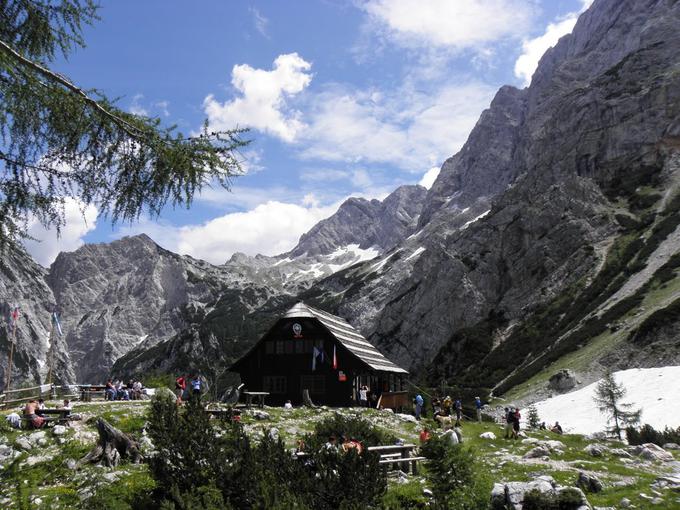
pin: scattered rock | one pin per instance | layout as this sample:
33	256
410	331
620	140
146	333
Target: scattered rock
71	463
487	435
625	503
535	453
24	443
36	459
671	446
406	417
562	381
650	451
554	444
594	450
667	482
428	493
261	415
530	440
59	430
589	482
620	452
111	477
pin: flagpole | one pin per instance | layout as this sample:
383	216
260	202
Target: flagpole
11	354
50	354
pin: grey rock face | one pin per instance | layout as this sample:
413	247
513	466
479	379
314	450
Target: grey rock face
588	482
366	223
564	380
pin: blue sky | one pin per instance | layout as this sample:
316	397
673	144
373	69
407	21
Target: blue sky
344	98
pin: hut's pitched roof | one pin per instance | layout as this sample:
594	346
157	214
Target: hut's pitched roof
349	337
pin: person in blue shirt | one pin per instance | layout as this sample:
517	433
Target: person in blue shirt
478	406
458	406
419	405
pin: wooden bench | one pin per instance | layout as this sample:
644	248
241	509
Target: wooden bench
87	391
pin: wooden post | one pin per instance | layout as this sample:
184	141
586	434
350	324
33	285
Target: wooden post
11	353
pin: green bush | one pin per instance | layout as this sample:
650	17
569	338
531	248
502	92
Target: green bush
352	427
199	466
453	476
567	499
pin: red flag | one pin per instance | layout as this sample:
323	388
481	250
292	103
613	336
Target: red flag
335	359
15	314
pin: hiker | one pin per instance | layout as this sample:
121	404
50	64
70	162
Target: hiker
515	423
418	401
110	392
41	404
458	406
137	390
446	406
67	405
557	428
363	396
288	405
352	444
424	435
196	385
436	407
14	420
34	420
180	386
542	426
478	406
509	417
331	445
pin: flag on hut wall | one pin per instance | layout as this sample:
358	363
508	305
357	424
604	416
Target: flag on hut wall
335	359
14	316
55	321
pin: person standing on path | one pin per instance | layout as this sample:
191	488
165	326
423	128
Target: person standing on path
478	406
458	406
419	405
363	396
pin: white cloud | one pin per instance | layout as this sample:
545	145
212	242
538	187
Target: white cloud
533	49
407	127
79	221
452	24
270	228
136	107
429	177
260	22
262	103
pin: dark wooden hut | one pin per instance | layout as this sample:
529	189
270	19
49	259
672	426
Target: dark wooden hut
320	352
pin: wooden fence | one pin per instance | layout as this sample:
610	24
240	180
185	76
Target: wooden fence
46	391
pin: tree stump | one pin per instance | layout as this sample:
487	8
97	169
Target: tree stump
306	399
113	446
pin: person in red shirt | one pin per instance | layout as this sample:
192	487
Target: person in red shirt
424	435
180	385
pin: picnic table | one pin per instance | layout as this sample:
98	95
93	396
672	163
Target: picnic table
61	414
398	455
260	397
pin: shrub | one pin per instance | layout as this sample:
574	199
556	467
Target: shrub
453	476
352	427
566	499
534	419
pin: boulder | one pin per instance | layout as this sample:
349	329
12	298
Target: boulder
261	415
671	446
650	451
24	443
530	440
59	430
588	482
562	381
487	435
538	452
406	417
625	503
594	450
451	436
514	491
498	496
554	445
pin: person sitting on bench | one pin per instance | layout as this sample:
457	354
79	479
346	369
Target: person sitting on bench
34	420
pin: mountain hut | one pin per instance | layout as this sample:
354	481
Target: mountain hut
320	352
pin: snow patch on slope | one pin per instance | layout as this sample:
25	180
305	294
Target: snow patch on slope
654	390
468	223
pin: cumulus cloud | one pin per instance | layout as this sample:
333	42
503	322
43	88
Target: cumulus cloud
262	103
533	49
457	25
47	245
429	177
270	228
405	127
136	107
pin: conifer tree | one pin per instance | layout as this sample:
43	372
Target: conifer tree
608	397
534	419
59	141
